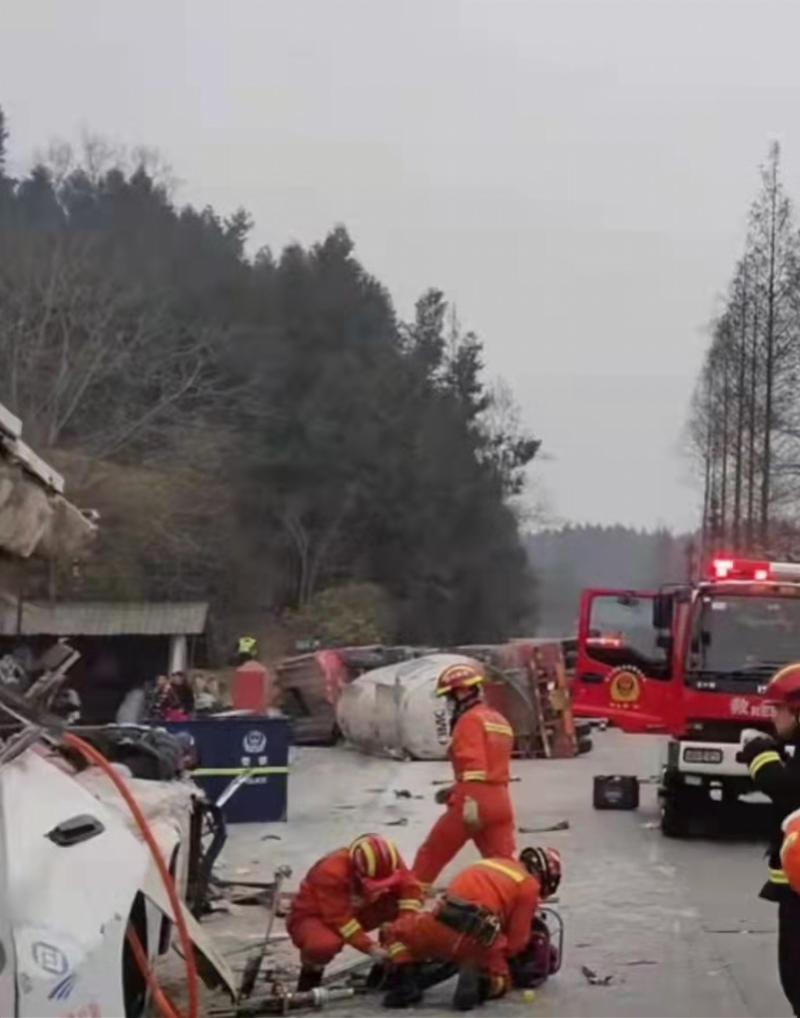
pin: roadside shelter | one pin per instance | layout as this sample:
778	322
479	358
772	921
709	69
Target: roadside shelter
123	645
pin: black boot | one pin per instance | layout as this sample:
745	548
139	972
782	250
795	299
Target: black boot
309	978
468	989
402	987
377	976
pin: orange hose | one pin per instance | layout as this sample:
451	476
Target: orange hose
94	756
162	1001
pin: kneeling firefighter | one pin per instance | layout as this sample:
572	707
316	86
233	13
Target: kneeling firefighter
776	773
344	896
484	920
478	804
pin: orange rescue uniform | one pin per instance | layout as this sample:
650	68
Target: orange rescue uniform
503	887
332	909
480	753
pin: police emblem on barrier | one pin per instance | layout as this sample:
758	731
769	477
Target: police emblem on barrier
254	741
625	685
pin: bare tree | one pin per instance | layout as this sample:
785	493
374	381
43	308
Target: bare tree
744	413
87	357
774	257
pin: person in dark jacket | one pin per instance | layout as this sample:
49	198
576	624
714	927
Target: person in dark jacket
774	765
184	695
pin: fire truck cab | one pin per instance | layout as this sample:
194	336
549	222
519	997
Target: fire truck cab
691	661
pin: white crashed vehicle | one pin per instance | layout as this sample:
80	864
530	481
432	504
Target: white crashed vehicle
74	873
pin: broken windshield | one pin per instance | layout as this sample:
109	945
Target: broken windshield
745	636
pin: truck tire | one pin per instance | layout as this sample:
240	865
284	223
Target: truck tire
585	744
674	814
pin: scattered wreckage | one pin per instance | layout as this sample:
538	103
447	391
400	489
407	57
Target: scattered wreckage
100	844
101	834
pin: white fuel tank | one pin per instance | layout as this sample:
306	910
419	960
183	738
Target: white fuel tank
395	710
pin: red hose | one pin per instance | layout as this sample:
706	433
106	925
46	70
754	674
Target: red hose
94	756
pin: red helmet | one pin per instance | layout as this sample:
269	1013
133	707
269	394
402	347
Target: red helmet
784	687
460	676
375	859
545	865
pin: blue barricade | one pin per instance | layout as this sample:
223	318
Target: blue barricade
229	747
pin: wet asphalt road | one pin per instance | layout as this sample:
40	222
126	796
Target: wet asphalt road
677	925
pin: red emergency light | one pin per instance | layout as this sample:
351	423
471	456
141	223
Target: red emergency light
753	569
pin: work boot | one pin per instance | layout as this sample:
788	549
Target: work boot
309	979
468	989
402	987
376	978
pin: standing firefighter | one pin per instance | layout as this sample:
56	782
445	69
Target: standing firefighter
484	921
478	804
777	774
345	895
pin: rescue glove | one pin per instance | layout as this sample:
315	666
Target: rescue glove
751	749
471	815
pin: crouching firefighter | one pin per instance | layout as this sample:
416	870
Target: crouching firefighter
344	896
484	923
478	804
776	773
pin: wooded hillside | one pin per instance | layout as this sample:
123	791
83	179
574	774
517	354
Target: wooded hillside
256	429
574	557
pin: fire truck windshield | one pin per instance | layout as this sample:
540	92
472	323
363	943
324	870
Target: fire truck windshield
743	637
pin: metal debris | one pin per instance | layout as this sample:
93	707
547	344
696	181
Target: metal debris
562	825
593	979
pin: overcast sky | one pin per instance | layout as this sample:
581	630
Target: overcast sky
575	175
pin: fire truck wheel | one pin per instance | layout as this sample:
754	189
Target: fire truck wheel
675	814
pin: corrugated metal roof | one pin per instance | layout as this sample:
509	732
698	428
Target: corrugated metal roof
105	618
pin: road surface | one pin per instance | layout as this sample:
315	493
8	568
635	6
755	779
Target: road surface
676	924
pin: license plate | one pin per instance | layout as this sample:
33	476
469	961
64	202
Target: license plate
697	755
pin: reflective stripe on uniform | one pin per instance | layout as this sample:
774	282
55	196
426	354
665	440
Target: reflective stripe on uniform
492	864
767	757
473	776
395	949
777	876
409	905
349	930
498	729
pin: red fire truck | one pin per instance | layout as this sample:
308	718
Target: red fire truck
691	661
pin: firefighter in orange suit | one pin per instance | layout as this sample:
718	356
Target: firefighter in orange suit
478	804
343	896
484	919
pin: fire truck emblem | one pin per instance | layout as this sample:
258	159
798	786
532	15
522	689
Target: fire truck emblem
625	685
